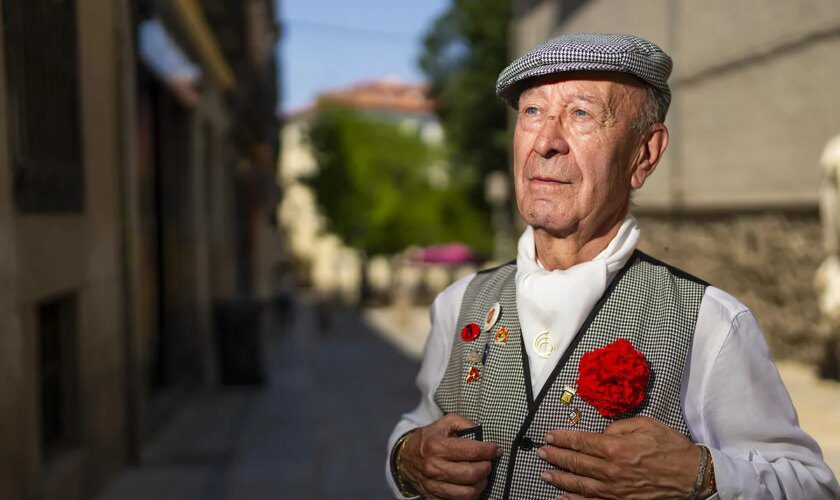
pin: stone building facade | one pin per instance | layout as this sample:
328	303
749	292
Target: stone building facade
735	199
132	200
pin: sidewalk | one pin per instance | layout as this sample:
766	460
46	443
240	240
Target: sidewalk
320	431
317	431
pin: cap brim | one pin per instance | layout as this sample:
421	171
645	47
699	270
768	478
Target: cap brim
510	89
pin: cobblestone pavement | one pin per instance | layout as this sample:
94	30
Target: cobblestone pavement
317	431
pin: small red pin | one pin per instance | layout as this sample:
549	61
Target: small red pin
470	332
473	375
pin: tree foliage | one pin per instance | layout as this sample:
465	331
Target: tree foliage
373	180
464	51
375	187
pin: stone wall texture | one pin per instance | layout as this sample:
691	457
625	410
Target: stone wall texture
767	261
754	93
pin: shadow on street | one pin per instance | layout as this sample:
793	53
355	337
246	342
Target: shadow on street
317	430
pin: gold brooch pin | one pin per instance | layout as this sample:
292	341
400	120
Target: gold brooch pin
568	394
501	335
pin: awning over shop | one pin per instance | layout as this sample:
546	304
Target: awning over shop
166	60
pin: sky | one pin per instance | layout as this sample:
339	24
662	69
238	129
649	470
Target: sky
328	44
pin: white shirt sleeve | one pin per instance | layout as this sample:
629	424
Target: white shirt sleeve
736	404
444	316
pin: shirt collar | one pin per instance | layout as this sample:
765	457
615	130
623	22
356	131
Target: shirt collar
616	254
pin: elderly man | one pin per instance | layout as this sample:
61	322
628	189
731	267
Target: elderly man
587	368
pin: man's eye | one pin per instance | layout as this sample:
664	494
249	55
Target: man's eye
580	112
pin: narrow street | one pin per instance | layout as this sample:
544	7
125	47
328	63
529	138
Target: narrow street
317	431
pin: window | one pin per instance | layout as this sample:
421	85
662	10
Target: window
42	103
58	369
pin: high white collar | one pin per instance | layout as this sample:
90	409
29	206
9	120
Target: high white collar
560	300
615	254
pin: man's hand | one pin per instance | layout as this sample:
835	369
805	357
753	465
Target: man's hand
439	465
633	459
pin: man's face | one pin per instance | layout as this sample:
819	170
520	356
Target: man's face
574	151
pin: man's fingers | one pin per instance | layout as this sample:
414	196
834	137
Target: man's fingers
572	483
452	491
468	473
453	423
578	463
573	496
628	425
468	450
481	486
596	445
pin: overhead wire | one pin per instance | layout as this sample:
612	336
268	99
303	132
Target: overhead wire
294	22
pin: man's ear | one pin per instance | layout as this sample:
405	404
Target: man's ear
650	152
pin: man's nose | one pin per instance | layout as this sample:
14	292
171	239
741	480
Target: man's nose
551	140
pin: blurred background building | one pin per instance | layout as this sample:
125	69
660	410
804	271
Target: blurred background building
735	199
137	212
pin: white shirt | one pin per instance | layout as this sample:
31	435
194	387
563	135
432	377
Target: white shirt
558	302
732	396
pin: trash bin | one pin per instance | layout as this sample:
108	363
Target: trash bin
239	341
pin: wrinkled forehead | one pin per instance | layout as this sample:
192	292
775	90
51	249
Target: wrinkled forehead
603	86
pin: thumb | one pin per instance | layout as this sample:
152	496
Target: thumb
454	422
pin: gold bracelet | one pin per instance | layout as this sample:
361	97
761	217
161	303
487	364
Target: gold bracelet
405	488
710	474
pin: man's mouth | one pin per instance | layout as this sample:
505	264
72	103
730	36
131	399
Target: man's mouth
548	180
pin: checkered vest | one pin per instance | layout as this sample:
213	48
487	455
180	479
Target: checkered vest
648	303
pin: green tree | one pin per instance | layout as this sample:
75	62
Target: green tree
374	186
464	51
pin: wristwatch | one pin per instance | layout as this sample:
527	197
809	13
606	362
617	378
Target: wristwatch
406	489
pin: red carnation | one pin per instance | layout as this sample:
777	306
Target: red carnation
613	378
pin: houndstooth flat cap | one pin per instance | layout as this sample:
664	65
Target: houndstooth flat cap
589	52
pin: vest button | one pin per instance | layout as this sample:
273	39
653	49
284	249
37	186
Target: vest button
526	444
